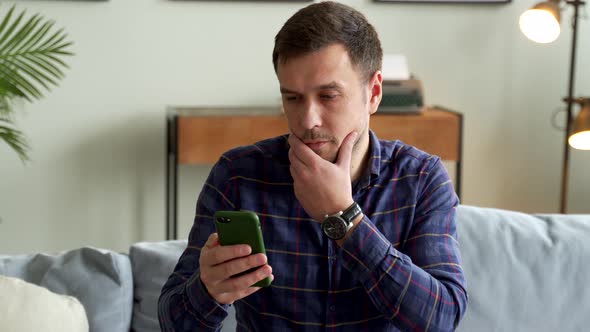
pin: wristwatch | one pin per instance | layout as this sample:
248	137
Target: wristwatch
336	225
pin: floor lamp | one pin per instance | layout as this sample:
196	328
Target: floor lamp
542	24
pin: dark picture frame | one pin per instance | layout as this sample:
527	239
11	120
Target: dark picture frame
246	0
449	1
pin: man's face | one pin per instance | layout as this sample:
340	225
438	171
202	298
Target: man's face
324	99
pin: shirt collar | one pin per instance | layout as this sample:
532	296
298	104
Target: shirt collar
374	154
373	167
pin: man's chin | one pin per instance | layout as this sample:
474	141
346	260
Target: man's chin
331	157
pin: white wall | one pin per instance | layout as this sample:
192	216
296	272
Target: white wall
97	175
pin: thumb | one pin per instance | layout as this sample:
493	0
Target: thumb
345	153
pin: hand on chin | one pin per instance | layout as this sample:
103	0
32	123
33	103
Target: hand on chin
321	182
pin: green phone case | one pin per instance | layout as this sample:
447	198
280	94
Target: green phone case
241	227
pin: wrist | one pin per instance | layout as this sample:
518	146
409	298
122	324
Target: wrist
336	226
338	207
355	223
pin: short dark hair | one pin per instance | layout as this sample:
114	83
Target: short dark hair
327	23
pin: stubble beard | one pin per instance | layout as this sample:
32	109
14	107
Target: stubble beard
331	142
331	151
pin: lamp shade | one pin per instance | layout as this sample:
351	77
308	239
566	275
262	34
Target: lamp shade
580	137
541	23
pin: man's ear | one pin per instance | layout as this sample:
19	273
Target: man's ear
375	91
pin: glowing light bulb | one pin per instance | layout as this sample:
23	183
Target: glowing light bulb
539	25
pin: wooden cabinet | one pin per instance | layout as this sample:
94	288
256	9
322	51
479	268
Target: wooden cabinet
200	135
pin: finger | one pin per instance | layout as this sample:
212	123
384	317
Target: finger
252	290
242	283
212	241
220	254
296	164
248	291
224	271
295	151
345	152
293	140
229	298
303	152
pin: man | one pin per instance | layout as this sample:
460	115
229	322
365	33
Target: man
360	232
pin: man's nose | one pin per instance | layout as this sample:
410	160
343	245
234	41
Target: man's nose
311	115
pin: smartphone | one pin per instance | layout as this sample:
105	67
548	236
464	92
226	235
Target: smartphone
241	227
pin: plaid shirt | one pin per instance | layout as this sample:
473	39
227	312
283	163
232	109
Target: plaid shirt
399	270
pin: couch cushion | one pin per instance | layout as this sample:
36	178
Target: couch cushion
99	278
28	307
525	272
152	263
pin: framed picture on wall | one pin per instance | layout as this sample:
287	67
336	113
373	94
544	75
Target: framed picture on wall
57	0
448	1
249	0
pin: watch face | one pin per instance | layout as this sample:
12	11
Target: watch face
334	227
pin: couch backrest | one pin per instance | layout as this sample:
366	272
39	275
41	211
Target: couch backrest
525	272
152	263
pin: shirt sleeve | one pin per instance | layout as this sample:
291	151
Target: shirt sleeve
425	290
184	303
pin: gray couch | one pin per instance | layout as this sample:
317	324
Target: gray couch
524	273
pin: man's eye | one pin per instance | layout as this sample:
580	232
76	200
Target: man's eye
328	97
290	98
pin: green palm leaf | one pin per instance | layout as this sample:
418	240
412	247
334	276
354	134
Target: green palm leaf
31	53
14	138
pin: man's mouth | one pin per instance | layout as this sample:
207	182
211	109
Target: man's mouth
316	146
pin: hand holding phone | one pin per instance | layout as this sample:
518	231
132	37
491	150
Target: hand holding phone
241	227
218	263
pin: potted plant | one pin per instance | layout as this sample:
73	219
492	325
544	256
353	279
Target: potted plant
31	60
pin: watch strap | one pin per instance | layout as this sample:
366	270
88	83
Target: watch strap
352	212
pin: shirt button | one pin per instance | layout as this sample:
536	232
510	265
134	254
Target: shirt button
332	308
